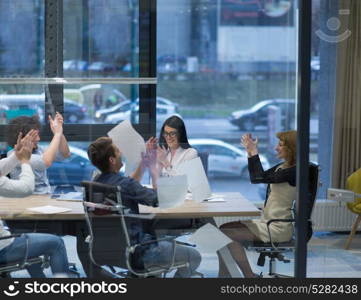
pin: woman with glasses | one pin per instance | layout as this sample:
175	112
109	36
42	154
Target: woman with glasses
174	147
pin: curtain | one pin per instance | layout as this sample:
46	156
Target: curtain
347	130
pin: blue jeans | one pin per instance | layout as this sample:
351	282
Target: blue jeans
161	255
39	244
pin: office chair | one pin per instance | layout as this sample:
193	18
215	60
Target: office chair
353	183
275	251
109	244
12	266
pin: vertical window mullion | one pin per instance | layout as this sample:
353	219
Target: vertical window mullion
54	93
147	64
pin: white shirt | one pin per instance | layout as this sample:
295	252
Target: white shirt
181	155
39	167
15	188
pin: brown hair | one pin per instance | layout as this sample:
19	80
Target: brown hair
289	138
21	124
100	151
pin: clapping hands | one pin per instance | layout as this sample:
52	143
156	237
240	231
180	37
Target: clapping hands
56	124
249	144
24	146
149	159
154	154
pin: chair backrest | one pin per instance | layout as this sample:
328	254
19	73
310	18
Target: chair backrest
313	187
313	179
109	238
204	159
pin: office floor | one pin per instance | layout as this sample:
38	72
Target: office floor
326	258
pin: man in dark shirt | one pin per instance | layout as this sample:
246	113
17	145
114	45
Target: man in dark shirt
107	158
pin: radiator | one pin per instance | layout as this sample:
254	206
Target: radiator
327	216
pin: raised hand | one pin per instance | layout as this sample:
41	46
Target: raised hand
56	124
249	144
162	156
24	146
151	151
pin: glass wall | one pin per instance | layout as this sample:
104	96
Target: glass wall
88	52
229	67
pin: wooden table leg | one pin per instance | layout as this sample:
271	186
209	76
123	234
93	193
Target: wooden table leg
353	232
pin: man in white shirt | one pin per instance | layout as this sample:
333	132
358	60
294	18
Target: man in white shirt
41	159
12	249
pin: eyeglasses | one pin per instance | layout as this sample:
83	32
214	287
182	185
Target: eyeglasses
170	134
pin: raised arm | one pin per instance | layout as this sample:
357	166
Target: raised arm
63	147
146	159
56	126
258	175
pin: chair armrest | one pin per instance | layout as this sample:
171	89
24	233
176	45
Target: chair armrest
100	206
116	208
170	238
10	236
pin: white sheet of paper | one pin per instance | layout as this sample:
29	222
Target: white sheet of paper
171	191
49	209
197	179
206	244
130	143
71	196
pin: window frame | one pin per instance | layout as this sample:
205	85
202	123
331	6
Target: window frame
53	69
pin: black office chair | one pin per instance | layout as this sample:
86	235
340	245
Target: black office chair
12	266
275	251
109	243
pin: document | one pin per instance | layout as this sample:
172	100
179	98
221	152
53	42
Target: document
130	143
197	179
171	191
215	198
206	244
49	209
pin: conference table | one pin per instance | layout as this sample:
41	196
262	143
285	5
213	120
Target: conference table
16	213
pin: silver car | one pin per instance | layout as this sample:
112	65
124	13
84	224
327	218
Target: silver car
164	109
225	159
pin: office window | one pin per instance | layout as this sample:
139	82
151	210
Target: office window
21	44
101	38
229	66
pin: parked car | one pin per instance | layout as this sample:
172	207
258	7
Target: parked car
164	108
257	115
73	111
99	66
72	170
75	65
225	159
101	114
171	63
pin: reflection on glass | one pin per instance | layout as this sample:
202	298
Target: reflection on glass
16	101
217	66
72	170
100	38
22	43
100	103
